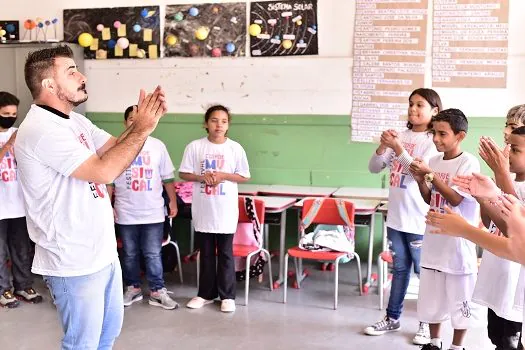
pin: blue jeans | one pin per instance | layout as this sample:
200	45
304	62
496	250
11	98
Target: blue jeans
145	239
90	308
407	249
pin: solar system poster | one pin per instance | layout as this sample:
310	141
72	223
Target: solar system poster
283	28
10	30
118	32
205	30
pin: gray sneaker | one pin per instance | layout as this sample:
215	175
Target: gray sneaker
7	299
162	299
383	326
132	295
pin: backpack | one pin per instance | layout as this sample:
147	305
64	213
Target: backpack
249	234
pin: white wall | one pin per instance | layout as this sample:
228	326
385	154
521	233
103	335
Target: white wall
295	85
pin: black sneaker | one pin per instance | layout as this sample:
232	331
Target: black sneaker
29	295
430	347
383	326
7	299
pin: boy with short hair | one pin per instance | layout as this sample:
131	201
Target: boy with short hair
448	264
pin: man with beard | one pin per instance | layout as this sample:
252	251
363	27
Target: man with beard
64	161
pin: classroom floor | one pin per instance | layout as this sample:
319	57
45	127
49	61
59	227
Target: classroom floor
306	321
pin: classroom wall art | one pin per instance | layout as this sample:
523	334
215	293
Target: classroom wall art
9	31
119	32
283	28
205	30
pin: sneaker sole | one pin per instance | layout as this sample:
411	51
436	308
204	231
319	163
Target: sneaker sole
134	300
420	341
11	305
35	300
207	302
156	303
228	311
375	333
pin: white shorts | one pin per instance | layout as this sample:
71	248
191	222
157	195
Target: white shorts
444	296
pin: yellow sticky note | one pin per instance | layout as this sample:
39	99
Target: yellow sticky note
152	51
102	54
94	45
133	50
118	51
148	34
106	34
121	31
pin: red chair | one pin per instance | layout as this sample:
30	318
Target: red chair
248	251
329	215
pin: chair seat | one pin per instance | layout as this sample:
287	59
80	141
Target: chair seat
244	250
297	252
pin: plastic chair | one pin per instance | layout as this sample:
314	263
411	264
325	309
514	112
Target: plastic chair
328	214
248	251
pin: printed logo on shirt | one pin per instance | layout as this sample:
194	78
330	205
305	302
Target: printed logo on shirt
212	163
398	175
437	201
8	166
140	174
97	190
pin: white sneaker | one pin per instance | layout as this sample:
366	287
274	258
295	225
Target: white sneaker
132	295
197	303
422	336
228	305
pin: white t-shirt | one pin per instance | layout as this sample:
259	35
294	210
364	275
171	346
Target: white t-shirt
445	253
498	279
11	199
406	207
215	209
138	190
70	220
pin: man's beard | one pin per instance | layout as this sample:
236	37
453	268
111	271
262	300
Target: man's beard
64	96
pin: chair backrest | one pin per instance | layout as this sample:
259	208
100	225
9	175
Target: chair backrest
328	213
259	209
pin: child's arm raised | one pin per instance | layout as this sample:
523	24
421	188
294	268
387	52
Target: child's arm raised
498	161
382	157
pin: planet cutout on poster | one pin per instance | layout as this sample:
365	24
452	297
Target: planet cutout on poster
255	29
193	11
202	33
85	39
123	43
171	40
287	44
137	28
100	27
216	52
230	47
111	44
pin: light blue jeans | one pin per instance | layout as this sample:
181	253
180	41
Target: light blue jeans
90	308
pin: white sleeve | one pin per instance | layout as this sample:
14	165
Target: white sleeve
469	166
99	136
187	165
427	151
61	151
166	165
241	164
519	187
378	162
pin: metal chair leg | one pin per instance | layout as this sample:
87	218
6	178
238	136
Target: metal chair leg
359	273
270	277
285	282
198	268
178	260
380	272
298	276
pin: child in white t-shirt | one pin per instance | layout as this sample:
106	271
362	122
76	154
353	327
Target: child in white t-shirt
215	164
448	264
509	215
139	215
14	238
497	286
407	210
